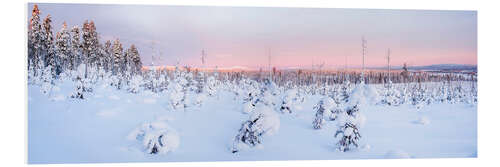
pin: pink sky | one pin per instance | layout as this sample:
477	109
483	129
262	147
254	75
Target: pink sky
240	36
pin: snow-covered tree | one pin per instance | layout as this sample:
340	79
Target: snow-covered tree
200	82
117	57
135	59
348	130
136	84
177	91
48	46
390	96
418	96
211	87
47	80
351	120
156	137
262	122
250	95
81	83
287	104
325	108
76	48
108	56
63	48
35	40
344	91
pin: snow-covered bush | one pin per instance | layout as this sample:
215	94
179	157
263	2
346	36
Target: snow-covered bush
135	84
156	137
263	121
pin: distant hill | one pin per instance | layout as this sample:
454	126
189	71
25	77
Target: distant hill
445	67
438	67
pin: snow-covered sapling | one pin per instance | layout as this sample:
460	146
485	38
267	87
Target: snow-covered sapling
325	107
135	84
348	129
288	101
262	122
156	137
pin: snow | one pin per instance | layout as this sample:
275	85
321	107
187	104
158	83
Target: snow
149	101
422	120
106	129
397	154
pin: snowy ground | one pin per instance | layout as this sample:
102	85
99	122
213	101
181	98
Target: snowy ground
65	130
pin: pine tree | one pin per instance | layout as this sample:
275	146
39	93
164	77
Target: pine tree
325	107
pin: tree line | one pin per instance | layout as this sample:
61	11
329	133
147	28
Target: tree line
69	48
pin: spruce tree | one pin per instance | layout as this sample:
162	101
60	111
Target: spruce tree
117	56
76	48
35	40
48	45
63	41
108	56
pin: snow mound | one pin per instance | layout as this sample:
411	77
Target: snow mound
397	154
156	137
422	121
